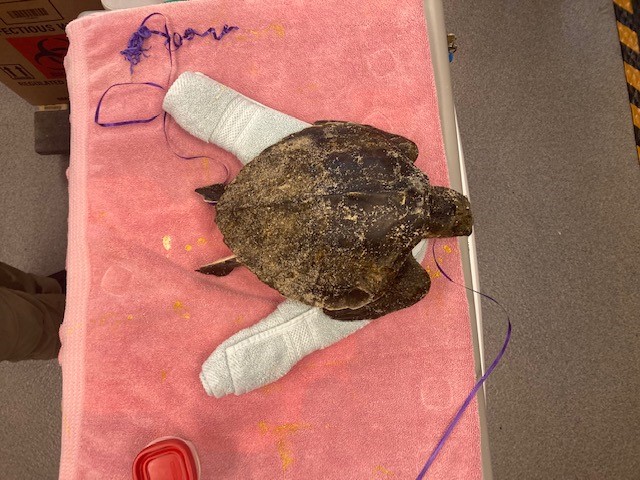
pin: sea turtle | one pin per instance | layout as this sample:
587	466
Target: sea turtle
329	215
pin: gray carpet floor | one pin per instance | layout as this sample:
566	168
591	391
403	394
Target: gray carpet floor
555	185
33	233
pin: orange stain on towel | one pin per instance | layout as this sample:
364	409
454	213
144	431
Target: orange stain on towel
381	472
286	456
103	319
282	441
206	168
286	428
263	427
275	27
111	319
278	28
180	309
433	274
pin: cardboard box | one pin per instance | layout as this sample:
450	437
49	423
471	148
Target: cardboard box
33	45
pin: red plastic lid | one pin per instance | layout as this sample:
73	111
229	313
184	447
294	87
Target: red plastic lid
170	459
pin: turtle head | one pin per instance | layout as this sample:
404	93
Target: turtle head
449	214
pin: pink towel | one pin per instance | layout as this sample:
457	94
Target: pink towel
140	322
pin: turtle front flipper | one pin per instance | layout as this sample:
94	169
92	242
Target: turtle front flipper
411	284
449	214
212	193
403	144
220	268
406	146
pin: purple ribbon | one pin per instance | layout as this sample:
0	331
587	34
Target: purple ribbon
166	137
124	122
479	383
135	50
134	53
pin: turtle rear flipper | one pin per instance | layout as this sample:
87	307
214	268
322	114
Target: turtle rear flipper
220	268
212	193
411	284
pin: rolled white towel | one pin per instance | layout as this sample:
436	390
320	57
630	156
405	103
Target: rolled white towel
217	114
